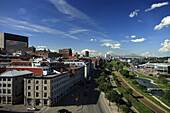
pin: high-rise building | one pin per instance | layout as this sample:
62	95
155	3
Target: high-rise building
12	43
65	52
86	53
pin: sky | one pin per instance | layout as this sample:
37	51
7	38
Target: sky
120	27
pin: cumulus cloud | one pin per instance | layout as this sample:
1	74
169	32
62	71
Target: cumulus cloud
93	39
139	40
164	23
156	5
133	36
113	46
134	13
92	51
166	46
145	54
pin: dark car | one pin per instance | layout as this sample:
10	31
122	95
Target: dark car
63	111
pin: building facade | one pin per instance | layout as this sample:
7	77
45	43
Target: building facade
12	43
12	86
65	52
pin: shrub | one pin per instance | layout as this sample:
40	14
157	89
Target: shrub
125	108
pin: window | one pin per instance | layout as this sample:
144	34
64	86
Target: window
45	82
37	94
0	90
9	85
9	91
9	79
45	87
29	94
0	85
0	79
37	82
4	79
29	87
45	101
29	81
4	85
9	99
4	90
37	87
45	94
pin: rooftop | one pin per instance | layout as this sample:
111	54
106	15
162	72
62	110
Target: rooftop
15	73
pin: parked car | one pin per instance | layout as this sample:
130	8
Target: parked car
63	111
32	109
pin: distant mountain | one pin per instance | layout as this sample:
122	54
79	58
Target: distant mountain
128	55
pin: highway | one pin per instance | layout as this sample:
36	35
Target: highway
142	99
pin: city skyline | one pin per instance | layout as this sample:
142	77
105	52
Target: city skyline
114	27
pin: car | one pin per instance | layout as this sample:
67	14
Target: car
32	109
63	111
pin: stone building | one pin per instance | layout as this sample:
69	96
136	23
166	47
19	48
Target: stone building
12	86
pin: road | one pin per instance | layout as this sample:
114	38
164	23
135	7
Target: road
142	99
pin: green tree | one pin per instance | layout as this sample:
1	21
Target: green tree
100	80
124	72
125	108
167	95
109	67
103	73
105	87
164	80
112	96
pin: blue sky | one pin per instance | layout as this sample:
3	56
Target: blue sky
100	26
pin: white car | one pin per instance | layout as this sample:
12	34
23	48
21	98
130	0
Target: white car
32	109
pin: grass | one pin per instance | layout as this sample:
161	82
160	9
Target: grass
129	81
140	75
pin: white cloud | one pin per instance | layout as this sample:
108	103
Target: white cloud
100	53
23	25
113	46
134	13
156	5
109	52
139	40
92	51
166	46
165	22
145	54
50	20
22	11
133	36
41	46
93	39
139	21
77	31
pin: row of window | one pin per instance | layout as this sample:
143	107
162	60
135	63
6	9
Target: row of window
4	99
37	81
37	88
5	79
37	94
5	91
4	85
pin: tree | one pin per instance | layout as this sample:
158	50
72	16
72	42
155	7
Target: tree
109	67
125	108
112	96
105	87
124	72
164	80
103	74
100	80
167	95
135	82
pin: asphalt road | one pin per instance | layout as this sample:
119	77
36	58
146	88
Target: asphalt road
143	100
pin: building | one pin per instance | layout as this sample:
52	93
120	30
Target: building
49	90
47	54
83	64
12	86
12	43
65	52
86	53
30	50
